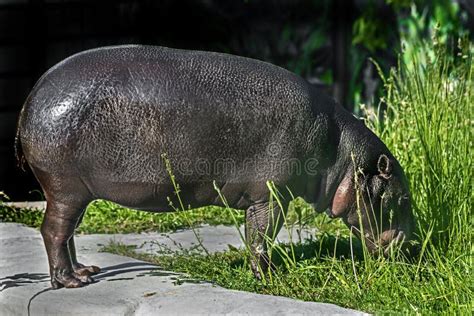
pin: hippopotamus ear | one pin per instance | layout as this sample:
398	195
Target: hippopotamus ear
344	197
384	166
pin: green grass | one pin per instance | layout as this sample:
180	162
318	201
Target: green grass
324	272
107	217
428	126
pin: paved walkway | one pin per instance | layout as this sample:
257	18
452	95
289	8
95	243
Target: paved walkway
213	238
127	286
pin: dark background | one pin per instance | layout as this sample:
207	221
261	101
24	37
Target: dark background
312	38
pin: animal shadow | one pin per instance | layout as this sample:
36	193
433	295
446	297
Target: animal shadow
324	247
22	279
122	268
329	246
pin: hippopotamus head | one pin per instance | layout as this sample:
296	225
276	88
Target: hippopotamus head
375	204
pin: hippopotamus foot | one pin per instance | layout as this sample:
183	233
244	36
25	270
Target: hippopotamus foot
61	279
261	227
83	270
80	276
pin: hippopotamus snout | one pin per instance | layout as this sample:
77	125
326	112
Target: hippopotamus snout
394	240
400	239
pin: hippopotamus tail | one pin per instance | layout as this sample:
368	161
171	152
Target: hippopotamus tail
20	157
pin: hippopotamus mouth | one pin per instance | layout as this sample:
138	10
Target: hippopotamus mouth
390	240
398	240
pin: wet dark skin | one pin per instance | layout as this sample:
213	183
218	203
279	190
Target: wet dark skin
99	124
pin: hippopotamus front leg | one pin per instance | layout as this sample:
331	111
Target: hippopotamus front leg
262	223
79	268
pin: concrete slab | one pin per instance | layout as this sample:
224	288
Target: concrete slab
213	238
125	287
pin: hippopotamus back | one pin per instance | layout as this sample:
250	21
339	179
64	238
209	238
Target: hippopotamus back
112	112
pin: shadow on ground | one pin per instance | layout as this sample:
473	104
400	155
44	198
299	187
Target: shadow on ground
22	279
325	247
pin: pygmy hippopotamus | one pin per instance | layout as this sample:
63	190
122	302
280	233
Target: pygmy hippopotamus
98	124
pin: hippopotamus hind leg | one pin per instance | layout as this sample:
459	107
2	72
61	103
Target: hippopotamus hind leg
66	197
57	229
